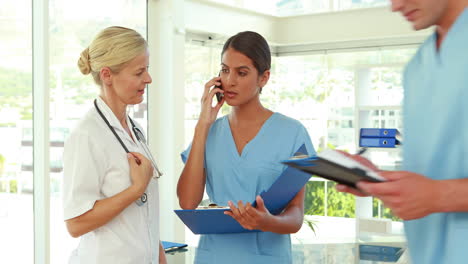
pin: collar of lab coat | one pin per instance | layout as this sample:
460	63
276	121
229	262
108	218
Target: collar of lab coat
110	116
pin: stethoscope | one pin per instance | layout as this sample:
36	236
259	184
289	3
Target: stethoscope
141	138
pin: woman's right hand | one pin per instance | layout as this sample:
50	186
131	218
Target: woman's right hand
140	173
208	112
363	161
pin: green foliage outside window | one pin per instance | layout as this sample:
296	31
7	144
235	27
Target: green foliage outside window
2	164
385	212
314	198
15	92
338	204
13	186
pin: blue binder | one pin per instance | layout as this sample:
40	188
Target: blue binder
379	137
379	132
276	198
378	142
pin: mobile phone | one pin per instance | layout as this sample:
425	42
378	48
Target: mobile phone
219	96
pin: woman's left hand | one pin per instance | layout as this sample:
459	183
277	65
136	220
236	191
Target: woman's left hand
251	218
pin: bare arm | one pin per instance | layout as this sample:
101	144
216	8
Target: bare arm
452	195
288	222
291	219
192	181
412	196
102	212
106	209
162	254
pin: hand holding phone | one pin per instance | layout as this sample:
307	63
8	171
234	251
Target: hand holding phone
219	96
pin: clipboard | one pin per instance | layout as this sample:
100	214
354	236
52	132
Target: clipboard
335	166
276	198
172	246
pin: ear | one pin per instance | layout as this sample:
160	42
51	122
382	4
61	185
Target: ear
263	79
106	76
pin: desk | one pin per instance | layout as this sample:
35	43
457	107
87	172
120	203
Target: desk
331	253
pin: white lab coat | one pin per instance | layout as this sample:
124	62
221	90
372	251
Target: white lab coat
96	167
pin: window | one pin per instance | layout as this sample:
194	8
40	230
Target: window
326	98
202	63
16	199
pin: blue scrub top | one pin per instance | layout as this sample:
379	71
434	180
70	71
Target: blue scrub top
436	139
235	177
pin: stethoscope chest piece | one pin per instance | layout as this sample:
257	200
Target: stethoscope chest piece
143	199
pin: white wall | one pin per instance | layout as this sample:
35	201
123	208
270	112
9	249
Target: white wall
374	26
220	20
343	26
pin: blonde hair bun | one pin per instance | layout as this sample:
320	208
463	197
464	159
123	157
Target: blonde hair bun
113	47
83	62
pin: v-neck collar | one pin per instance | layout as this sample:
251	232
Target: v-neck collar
456	31
249	144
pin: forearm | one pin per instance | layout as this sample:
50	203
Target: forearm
102	212
452	196
288	222
162	255
192	180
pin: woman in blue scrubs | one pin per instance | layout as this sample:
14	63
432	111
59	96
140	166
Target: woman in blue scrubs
238	156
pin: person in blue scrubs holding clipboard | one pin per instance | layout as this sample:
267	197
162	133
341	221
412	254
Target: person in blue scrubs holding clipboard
431	194
238	156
